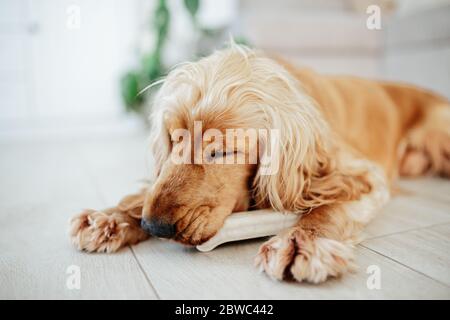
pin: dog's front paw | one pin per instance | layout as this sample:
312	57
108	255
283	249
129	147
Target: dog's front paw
299	255
101	232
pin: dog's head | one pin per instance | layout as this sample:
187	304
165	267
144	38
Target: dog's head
206	168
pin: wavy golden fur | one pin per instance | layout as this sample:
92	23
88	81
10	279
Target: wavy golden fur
343	141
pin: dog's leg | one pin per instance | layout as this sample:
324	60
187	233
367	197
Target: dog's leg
110	229
427	146
321	245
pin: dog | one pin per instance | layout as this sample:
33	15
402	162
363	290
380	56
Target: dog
343	142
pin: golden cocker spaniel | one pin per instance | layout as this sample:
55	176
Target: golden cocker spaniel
341	142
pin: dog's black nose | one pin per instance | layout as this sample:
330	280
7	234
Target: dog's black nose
158	228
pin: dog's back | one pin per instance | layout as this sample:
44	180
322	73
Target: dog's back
402	127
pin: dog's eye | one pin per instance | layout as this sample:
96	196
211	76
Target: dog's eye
215	154
218	154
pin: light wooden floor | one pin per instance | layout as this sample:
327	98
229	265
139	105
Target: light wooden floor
44	184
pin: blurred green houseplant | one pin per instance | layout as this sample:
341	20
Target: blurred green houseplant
151	66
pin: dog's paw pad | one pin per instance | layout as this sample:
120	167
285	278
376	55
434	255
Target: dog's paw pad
302	257
96	231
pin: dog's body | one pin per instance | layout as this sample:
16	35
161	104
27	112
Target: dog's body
380	119
387	123
344	140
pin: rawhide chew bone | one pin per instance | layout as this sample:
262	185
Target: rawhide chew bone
250	224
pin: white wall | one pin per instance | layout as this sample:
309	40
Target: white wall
328	36
57	77
418	46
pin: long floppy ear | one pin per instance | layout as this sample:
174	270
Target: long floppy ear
160	144
175	94
312	166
